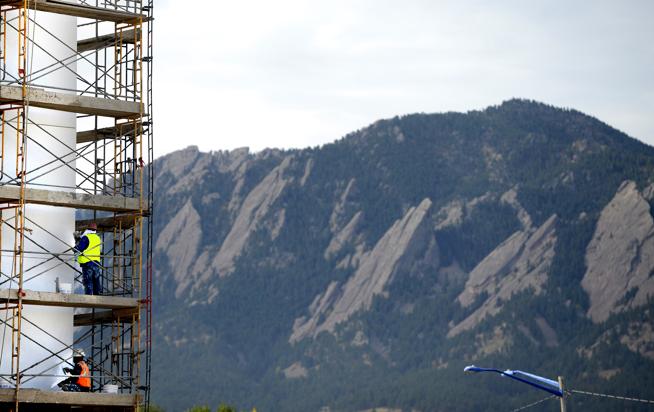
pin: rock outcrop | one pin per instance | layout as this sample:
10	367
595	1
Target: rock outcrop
345	237
190	167
521	262
181	162
640	339
295	371
397	247
254	209
511	198
344	208
450	214
180	240
620	256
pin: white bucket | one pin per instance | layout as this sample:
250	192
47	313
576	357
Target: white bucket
110	389
66	288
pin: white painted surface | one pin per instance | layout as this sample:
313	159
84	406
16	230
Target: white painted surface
51	228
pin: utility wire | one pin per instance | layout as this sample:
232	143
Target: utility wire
535	403
603	395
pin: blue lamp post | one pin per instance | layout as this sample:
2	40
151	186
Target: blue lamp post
548	385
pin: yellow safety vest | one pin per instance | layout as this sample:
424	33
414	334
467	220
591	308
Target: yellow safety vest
93	251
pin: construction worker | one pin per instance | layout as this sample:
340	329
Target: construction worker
89	248
81	379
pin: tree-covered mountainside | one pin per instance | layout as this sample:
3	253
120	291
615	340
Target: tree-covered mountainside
368	272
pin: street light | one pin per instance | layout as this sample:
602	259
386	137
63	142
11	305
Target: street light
539	382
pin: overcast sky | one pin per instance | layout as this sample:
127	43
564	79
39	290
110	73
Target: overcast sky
298	73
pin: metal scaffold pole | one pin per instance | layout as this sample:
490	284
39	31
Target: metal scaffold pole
92	170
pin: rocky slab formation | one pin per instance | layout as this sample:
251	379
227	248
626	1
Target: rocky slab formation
256	206
304	327
344	208
180	240
620	256
519	263
179	163
189	167
344	223
345	237
397	247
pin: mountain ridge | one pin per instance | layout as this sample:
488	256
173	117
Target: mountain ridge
395	255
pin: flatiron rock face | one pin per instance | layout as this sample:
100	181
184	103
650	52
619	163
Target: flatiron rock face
518	264
256	207
398	246
620	256
180	241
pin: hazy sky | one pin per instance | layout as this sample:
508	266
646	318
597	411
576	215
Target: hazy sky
298	73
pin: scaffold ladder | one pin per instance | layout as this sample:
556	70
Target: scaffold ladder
19	216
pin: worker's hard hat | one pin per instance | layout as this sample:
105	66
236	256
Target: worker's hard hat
78	353
93	226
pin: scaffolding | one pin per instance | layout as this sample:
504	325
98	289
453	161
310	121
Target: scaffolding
111	160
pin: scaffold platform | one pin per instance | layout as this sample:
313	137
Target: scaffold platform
107	40
71	300
121	204
67	102
105	133
45	400
78	10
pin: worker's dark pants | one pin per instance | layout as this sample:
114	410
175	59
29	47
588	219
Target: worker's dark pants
73	387
91	278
